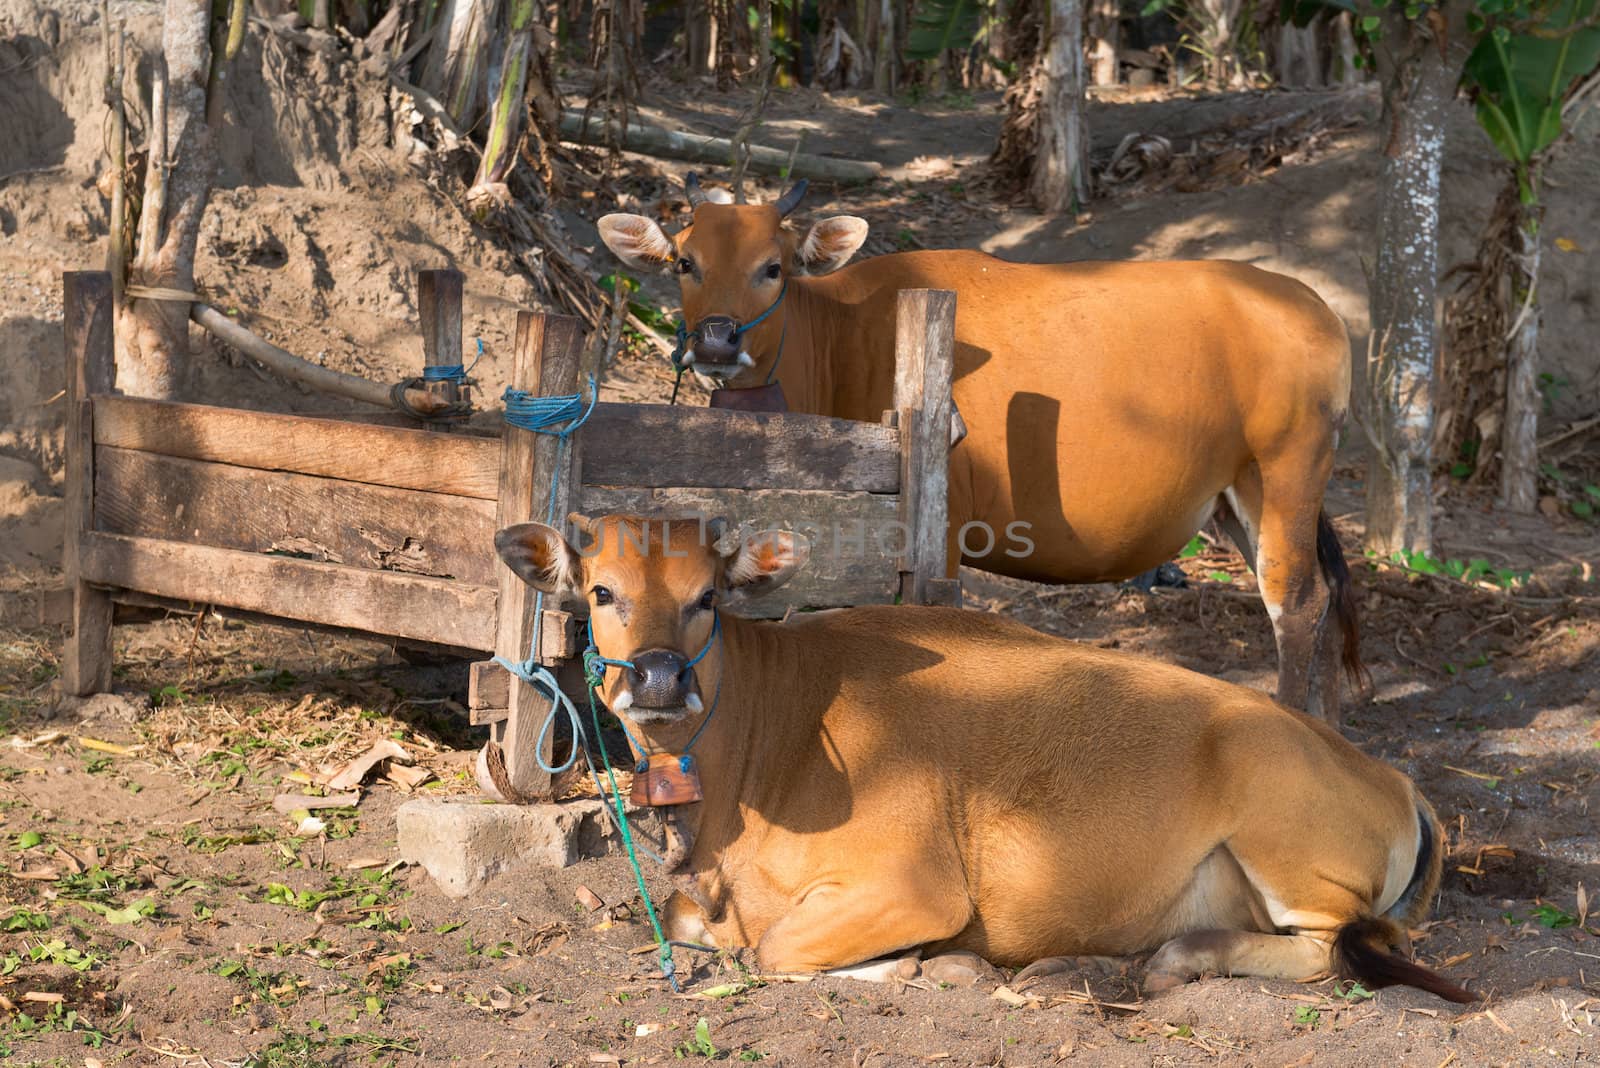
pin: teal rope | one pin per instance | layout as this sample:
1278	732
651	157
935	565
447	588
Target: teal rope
669	969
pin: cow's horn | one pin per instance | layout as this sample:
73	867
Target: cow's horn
691	189
791	200
588	528
716	529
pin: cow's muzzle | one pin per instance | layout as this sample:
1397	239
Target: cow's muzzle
661	687
717	344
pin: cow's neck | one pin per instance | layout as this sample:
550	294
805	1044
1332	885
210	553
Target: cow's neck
740	755
832	365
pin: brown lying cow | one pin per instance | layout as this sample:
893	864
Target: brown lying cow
1114	407
880	780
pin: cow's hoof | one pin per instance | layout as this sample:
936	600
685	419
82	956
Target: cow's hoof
1056	965
959	968
1161	982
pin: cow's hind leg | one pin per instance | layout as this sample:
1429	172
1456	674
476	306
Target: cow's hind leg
1269	956
1279	509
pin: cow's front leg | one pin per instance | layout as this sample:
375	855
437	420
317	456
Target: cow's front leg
839	924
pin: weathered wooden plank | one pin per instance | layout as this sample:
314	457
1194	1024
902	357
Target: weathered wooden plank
148	495
133	606
375	602
459	464
658	445
856	538
545	362
439	302
91	369
489	684
924	364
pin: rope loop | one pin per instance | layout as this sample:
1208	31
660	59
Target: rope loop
540	678
541	414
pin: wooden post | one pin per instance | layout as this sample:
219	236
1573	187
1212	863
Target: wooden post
439	300
545	362
924	364
91	369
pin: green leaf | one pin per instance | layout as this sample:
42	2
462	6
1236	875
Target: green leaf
1370	23
28	839
941	26
131	914
1196	546
1521	79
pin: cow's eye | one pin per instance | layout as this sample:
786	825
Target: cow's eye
685	265
774	271
708	599
601	595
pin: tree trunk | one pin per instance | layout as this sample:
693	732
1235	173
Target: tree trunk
153	335
885	53
1519	443
1060	180
1403	354
1342	69
1299	58
1105	31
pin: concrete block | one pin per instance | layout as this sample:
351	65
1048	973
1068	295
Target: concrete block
464	844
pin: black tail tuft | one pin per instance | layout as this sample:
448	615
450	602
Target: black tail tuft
1361	950
1342	598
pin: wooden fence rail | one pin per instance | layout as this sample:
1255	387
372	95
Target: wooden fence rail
388	530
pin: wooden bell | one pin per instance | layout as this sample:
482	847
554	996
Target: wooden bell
666	779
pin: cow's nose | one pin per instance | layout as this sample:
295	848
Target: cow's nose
659	679
718	341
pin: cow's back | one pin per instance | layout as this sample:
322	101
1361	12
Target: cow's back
1108	403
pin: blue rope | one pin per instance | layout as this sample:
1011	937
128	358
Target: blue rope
451	372
540	414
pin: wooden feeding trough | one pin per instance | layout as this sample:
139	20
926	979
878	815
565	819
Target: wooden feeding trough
388	530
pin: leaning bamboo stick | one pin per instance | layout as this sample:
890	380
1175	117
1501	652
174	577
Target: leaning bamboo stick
117	242
154	203
324	380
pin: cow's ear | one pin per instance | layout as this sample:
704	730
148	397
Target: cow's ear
542	558
764	561
638	241
831	243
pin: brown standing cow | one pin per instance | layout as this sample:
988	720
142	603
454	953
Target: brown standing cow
1113	407
878	781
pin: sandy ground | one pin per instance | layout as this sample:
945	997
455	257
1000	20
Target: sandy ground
227	953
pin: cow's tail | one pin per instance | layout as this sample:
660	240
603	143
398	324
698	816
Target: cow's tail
1341	598
1363	949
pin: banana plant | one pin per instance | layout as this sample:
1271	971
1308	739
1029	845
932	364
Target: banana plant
1520	76
1528	59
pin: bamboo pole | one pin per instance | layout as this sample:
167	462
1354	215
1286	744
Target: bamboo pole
323	379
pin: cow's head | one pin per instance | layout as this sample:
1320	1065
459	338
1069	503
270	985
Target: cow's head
732	262
653	587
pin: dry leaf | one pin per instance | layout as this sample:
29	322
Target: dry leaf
409	777
588	898
353	773
288	804
1566	244
108	747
